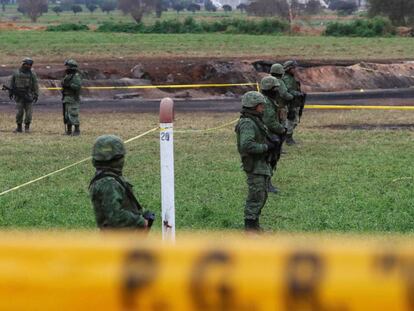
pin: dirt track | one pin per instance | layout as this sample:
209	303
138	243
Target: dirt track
214	105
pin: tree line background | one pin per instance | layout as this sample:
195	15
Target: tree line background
399	12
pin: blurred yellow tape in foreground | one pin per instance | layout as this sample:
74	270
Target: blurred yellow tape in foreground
351	107
104	272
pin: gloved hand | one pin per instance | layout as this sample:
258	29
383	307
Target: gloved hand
35	98
149	217
270	146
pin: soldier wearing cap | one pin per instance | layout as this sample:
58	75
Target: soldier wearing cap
295	107
71	89
24	89
254	148
114	202
269	87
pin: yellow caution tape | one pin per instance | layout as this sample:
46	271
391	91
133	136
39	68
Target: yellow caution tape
114	273
349	107
170	86
69	166
127	141
206	130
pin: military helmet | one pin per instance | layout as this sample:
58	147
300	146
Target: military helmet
27	60
71	63
269	83
277	69
107	148
290	64
252	99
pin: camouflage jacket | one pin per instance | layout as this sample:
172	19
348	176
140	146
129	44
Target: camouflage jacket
271	117
24	85
251	137
284	96
292	85
114	203
71	88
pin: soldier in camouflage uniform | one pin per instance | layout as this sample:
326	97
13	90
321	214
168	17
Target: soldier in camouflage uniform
24	89
295	106
71	88
284	96
269	87
254	149
114	202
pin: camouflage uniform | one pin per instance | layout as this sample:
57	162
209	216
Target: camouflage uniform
112	197
284	96
71	88
24	89
294	106
269	87
253	148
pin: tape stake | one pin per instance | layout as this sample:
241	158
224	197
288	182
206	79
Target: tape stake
167	169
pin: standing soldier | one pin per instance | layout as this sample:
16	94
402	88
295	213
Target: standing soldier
114	202
284	96
254	149
24	89
71	88
269	87
295	107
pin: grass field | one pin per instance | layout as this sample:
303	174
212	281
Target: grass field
46	46
336	180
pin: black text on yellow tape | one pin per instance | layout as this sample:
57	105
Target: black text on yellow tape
113	273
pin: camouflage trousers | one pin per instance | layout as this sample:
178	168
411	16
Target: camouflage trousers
257	195
72	114
24	109
291	123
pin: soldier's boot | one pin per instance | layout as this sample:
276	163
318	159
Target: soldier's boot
271	188
27	127
19	128
257	225
252	225
69	129
77	131
289	140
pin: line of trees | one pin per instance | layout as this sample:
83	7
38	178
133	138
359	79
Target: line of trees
400	12
136	8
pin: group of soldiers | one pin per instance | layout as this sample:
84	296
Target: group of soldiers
268	119
24	90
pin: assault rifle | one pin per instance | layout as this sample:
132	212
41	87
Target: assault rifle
302	106
10	90
274	155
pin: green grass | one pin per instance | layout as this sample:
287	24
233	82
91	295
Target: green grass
99	17
49	46
335	180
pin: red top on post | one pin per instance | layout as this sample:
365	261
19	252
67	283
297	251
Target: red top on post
167	110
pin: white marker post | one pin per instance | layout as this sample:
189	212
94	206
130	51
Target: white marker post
167	169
